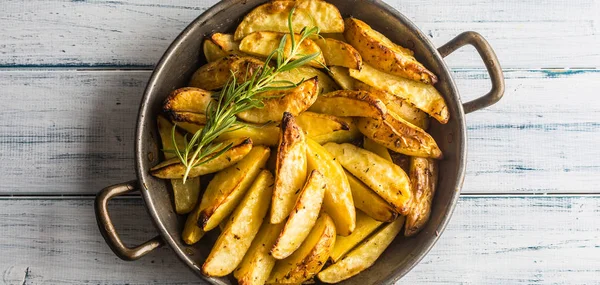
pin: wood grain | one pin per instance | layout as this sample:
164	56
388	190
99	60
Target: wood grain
135	33
530	239
71	132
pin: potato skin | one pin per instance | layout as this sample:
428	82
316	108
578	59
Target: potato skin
423	176
338	53
216	74
382	53
349	103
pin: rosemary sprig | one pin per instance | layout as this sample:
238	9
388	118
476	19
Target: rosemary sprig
237	97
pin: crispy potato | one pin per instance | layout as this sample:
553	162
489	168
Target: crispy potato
423	177
363	256
189	127
369	202
212	52
307	260
337	201
399	135
273	16
315	124
342	136
192	233
384	177
339	53
365	225
342	77
220	45
348	103
294	101
261	134
335	36
188	99
421	95
302	217
398	106
383	54
173	169
291	169
240	230
165	129
262	44
296	75
215	75
377	149
258	262
188	117
228	187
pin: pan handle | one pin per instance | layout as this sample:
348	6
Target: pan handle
107	228
491	64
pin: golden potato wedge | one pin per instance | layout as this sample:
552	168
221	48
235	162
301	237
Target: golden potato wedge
212	52
294	101
369	202
349	103
216	74
384	177
397	105
220	45
377	149
235	239
188	117
365	225
383	54
273	16
363	256
423	177
261	134
352	134
335	36
165	130
337	201
192	233
315	124
400	136
262	44
189	127
342	77
290	169
296	75
339	53
173	169
188	99
421	95
228	187
302	217
258	262
307	260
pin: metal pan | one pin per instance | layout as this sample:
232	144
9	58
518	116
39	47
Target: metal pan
184	56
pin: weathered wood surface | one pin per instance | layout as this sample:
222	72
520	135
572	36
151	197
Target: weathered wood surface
490	240
135	33
71	132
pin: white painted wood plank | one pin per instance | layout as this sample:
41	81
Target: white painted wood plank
67	132
525	34
505	240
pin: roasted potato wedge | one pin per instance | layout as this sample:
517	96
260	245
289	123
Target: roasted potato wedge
273	16
228	187
315	124
337	201
421	95
188	117
189	127
365	225
339	53
220	45
397	105
423	177
302	217
352	134
296	75
261	134
363	256
349	103
384	177
188	99
377	149
173	169
235	239
290	169
192	233
383	54
212	52
216	74
294	101
369	202
258	262
262	44
342	77
307	260
400	136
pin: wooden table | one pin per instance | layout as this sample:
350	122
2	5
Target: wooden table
72	74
